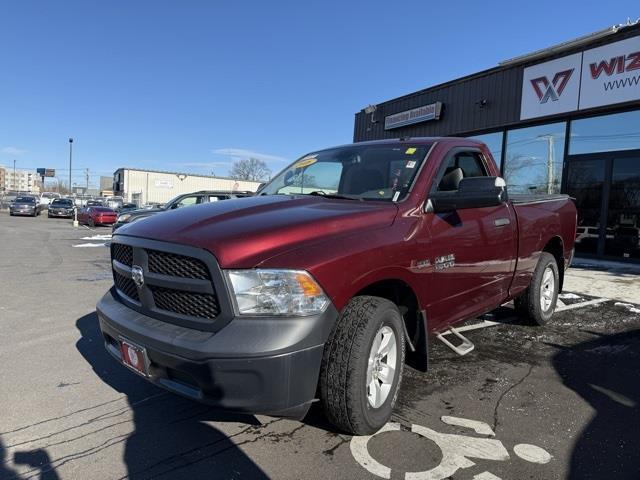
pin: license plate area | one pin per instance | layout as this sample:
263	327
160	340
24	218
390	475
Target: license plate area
135	357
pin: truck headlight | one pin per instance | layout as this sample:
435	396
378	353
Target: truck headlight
275	292
124	217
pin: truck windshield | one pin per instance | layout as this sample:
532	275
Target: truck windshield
361	172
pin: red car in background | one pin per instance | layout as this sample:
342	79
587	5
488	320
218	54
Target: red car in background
93	216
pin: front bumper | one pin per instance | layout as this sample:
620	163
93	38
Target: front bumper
60	213
252	365
22	211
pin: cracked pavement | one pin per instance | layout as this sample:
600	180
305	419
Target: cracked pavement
68	410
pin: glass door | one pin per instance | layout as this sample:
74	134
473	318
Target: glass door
623	219
606	187
585	181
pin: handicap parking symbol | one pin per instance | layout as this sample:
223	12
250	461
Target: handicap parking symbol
457	450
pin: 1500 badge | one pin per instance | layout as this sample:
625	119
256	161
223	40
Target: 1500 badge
445	261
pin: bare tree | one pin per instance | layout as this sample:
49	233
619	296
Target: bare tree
251	169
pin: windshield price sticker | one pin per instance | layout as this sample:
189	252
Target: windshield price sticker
411	164
410	150
306	161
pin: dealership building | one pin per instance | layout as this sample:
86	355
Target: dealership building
154	186
565	119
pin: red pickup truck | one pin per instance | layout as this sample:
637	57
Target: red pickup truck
337	273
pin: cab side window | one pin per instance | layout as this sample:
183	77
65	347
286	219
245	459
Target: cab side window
186	202
461	165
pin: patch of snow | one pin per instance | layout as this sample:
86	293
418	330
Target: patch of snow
98	237
569	296
88	245
629	306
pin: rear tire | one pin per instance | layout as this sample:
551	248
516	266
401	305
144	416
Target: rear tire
362	365
538	302
91	223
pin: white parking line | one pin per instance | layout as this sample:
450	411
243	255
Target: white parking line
582	304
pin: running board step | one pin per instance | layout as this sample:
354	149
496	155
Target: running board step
465	347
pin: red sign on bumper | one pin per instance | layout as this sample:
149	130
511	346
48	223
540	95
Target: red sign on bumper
134	357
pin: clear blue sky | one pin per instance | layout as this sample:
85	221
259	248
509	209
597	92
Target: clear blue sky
190	85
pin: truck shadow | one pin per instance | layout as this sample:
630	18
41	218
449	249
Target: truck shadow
171	436
605	373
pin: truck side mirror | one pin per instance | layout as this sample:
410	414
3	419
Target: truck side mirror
473	192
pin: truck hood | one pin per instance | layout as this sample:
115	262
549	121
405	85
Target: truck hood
244	232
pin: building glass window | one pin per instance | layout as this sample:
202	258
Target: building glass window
620	131
534	157
494	142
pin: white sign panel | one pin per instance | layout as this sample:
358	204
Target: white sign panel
611	74
163	184
551	87
415	115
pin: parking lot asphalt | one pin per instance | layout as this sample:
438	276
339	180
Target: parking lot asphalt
554	402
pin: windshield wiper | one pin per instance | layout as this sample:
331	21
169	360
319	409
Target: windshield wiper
320	193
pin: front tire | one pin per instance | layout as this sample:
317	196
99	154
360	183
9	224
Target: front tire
91	223
362	365
538	302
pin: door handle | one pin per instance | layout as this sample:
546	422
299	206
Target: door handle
501	222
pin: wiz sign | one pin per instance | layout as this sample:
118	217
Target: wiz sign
611	74
601	76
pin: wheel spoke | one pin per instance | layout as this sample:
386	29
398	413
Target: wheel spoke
379	397
385	345
375	348
369	371
373	392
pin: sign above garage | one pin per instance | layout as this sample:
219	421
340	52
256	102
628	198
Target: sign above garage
415	115
600	76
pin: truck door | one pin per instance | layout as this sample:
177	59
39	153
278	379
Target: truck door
472	250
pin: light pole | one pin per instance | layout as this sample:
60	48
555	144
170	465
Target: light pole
70	161
14	175
75	208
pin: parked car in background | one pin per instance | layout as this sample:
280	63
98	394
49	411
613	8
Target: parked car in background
184	200
94	203
152	205
47	197
61	208
114	202
93	216
127	207
25	205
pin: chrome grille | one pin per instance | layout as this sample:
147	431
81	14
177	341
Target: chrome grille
177	287
126	286
177	265
200	305
122	253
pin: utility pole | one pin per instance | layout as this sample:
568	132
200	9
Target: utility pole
550	157
14	175
86	173
70	161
